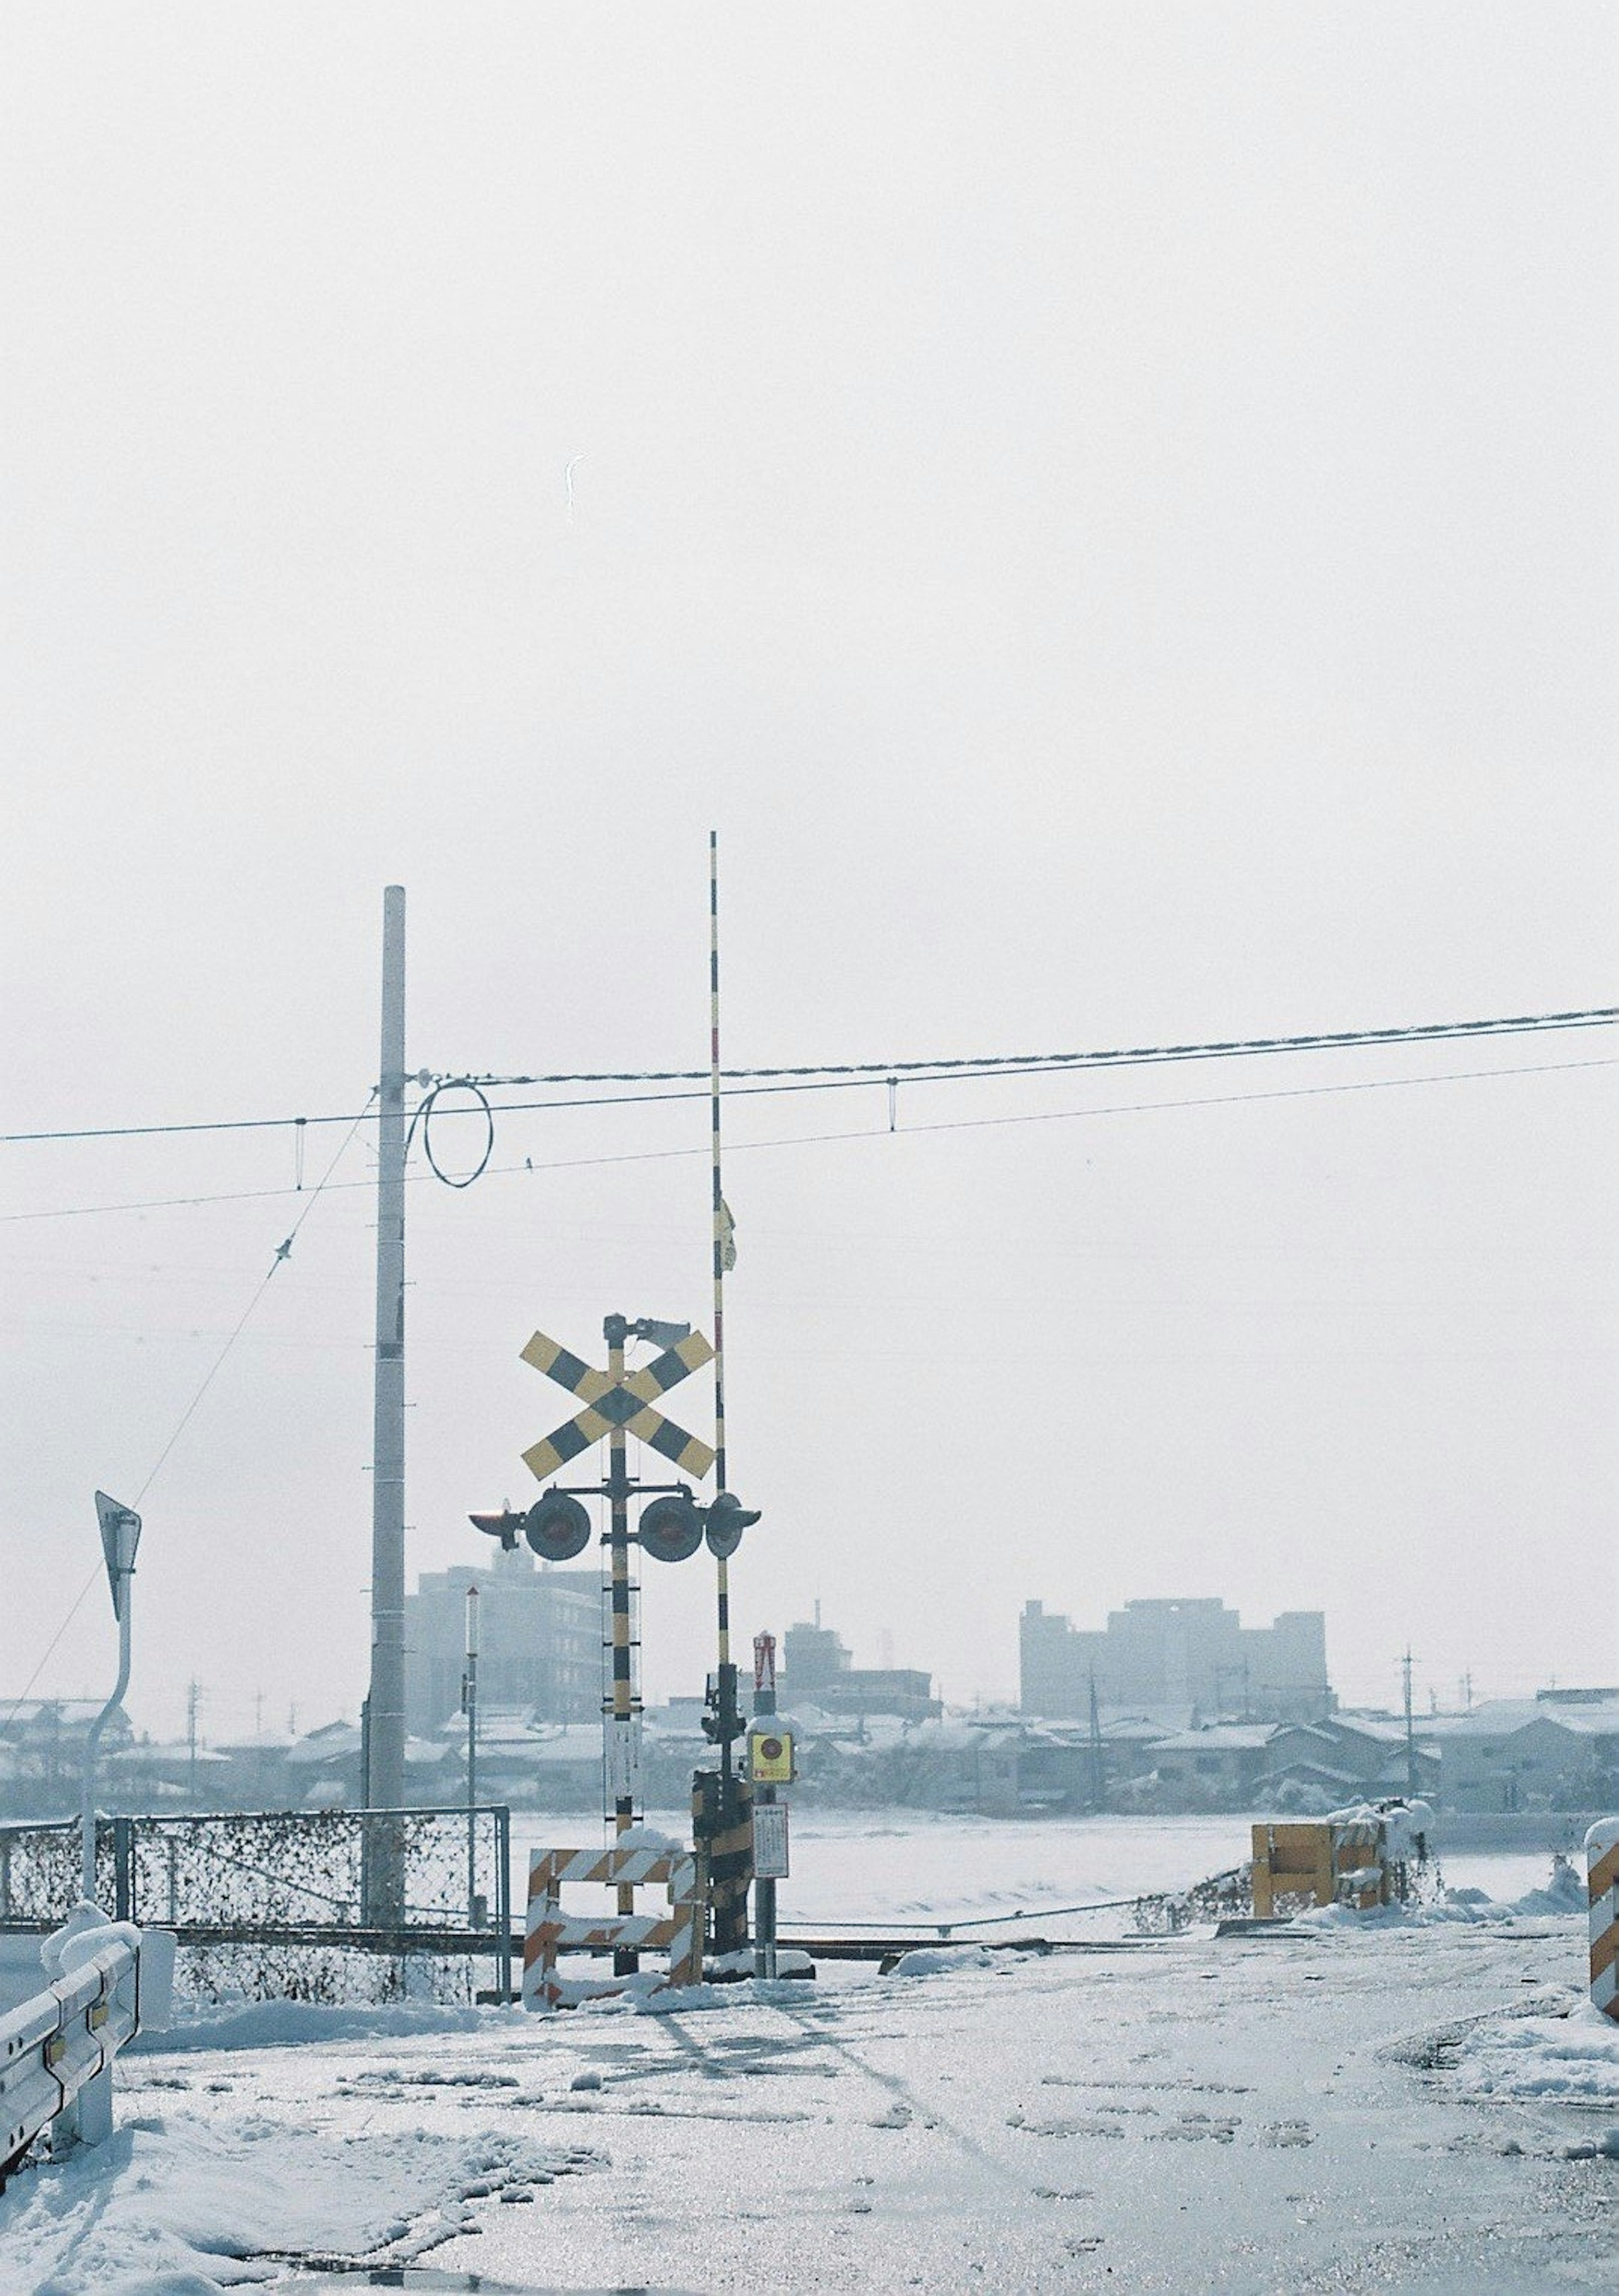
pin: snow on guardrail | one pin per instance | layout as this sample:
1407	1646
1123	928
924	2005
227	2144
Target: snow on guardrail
106	1980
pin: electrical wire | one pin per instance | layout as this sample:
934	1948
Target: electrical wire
283	1252
425	1112
842	1075
865	1132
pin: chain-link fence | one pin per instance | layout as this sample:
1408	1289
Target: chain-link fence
309	1904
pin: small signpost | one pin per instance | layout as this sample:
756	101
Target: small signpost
120	1530
770	1765
769	1861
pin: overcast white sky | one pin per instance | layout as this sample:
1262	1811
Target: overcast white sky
1111	514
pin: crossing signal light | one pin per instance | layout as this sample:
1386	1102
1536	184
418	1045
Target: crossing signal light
504	1526
671	1528
726	1520
557	1527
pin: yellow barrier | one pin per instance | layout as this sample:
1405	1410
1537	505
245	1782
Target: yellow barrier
1330	1862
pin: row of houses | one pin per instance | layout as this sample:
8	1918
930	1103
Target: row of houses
1557	1752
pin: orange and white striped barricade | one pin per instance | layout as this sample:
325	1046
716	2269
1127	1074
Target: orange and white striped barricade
551	1931
1602	1880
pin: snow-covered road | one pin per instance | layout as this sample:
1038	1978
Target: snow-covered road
1349	2109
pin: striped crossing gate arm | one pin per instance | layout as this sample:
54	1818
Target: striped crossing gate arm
1602	1882
552	1867
606	1933
549	1930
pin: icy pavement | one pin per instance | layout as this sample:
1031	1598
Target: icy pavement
1405	2106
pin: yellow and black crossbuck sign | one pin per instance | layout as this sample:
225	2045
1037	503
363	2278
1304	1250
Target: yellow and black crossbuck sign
627	1401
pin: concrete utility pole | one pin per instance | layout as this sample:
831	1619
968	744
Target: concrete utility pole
385	1765
1410	1732
469	1703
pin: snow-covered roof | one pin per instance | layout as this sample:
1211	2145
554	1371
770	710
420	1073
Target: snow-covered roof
1312	1770
1500	1718
334	1743
150	1750
1220	1737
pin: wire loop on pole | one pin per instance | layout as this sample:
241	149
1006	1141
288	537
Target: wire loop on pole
425	1112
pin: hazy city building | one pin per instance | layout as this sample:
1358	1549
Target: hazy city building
816	1671
1184	1659
539	1641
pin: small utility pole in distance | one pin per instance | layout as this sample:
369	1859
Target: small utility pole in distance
469	1707
193	1698
1096	1747
1410	1733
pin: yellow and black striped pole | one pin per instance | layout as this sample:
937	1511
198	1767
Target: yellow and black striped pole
731	1889
621	1749
719	1262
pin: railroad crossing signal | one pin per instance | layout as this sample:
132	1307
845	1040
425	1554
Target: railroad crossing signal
628	1402
770	1758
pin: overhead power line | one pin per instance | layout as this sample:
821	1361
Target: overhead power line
836	1076
867	1132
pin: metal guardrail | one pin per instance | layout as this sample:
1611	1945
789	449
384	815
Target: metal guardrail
56	2051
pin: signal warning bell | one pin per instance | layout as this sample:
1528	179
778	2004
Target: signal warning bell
504	1526
671	1528
727	1520
557	1527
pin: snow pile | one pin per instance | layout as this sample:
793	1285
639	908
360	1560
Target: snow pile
933	1961
1406	1825
1575	2057
1563	1896
1565	1893
790	1962
176	2203
1352	1917
281	2024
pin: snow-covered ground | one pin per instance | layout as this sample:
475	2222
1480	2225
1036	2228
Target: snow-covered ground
1353	2106
903	1868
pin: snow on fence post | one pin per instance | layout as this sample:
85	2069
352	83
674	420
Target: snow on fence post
1602	1881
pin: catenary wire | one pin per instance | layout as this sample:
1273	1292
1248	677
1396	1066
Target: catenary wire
845	1075
865	1132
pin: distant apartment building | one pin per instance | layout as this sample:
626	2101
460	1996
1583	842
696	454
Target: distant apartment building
816	1671
539	1641
1186	1660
